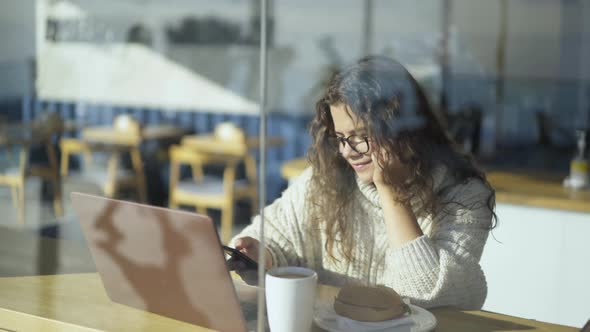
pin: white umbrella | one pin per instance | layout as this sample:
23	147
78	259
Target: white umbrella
129	75
65	10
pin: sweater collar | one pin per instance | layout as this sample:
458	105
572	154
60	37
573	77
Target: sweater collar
369	191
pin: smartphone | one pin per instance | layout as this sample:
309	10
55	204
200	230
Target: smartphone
240	256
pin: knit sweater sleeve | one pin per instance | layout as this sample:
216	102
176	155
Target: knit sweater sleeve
283	227
443	268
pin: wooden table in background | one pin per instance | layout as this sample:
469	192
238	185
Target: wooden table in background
116	142
210	144
77	301
108	135
292	168
535	189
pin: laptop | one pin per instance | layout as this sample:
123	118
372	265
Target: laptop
164	261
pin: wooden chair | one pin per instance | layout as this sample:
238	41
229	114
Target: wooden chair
15	179
49	125
41	132
125	136
207	191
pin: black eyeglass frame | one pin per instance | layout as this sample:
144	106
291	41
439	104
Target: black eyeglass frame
347	140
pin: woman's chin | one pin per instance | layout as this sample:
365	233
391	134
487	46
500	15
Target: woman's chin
366	176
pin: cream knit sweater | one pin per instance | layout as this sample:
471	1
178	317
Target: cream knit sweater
439	268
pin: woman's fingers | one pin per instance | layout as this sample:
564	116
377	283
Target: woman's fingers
246	243
250	246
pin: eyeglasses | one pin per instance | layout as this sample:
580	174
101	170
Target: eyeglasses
359	144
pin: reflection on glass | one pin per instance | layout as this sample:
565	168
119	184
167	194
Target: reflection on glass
96	96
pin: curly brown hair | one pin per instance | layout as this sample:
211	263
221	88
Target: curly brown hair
401	125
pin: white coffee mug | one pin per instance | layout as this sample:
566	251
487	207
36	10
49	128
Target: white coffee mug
290	298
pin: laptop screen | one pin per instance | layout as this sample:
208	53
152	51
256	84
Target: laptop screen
164	261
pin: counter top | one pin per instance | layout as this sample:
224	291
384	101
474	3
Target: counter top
538	190
521	187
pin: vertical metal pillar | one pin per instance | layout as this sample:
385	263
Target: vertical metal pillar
262	177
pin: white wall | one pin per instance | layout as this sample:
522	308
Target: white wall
537	265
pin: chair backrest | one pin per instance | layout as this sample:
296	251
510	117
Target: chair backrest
127	128
48	123
180	155
127	124
228	131
183	155
232	134
232	138
235	138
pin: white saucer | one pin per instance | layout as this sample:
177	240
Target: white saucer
420	320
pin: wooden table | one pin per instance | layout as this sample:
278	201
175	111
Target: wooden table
78	302
292	168
116	142
210	144
108	135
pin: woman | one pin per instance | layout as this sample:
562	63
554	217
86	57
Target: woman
388	198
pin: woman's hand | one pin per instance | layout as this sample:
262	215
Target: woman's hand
400	221
399	171
251	248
